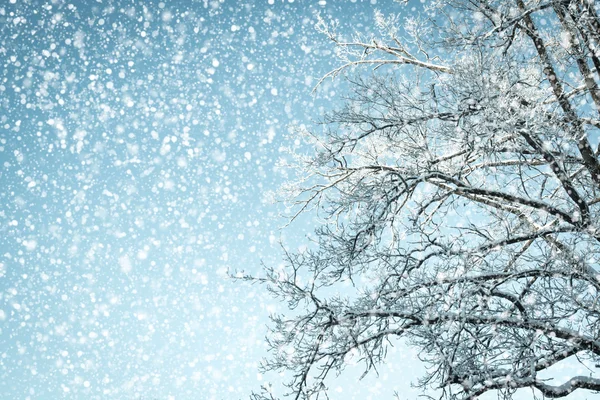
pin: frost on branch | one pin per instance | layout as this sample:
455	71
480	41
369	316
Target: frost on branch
377	52
460	199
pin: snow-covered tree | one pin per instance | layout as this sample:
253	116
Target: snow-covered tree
458	194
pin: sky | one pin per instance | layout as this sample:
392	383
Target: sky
138	144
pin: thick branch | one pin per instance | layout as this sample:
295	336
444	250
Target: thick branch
577	382
587	153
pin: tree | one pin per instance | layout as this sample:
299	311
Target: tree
459	194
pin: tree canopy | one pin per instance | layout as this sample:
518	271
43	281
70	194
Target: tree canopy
458	191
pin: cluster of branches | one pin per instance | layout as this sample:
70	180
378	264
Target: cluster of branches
460	192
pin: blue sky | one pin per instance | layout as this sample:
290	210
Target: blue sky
137	142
